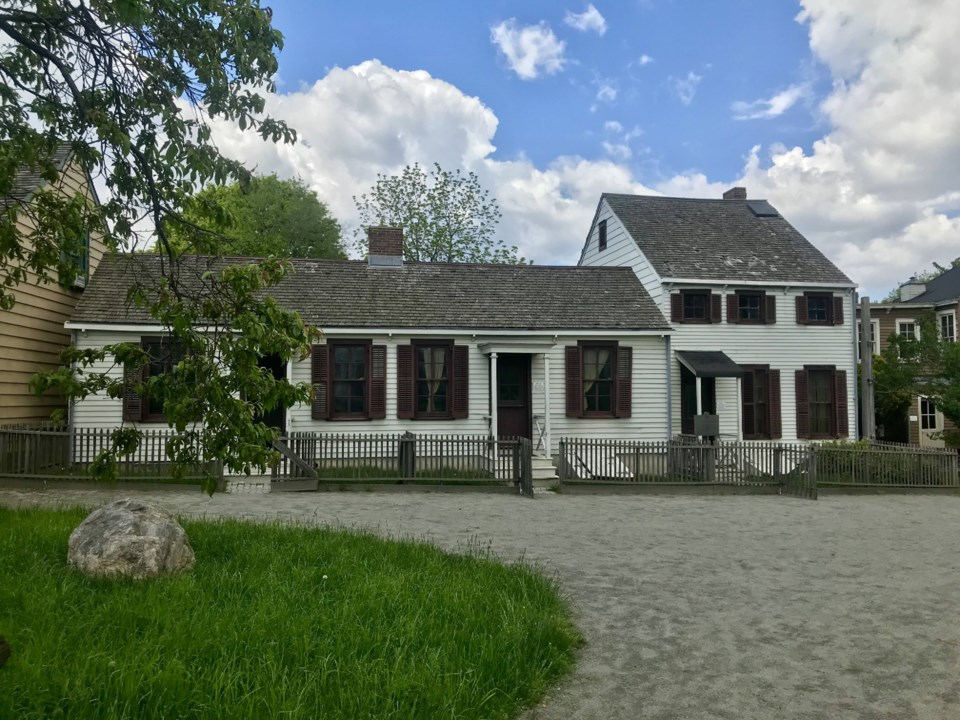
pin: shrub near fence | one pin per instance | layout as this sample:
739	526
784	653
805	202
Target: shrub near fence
866	464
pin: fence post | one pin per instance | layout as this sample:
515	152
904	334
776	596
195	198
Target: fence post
408	452
562	460
709	463
526	462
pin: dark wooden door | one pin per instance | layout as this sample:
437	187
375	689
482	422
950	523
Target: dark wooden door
513	396
275	417
688	398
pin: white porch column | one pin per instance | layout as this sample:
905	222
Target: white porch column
699	396
546	404
739	408
493	400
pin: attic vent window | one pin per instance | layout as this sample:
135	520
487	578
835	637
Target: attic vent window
761	208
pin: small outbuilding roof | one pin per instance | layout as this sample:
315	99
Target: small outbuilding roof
709	363
351	294
732	240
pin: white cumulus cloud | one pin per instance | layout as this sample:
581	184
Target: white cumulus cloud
775	106
878	192
529	50
686	87
368	119
589	19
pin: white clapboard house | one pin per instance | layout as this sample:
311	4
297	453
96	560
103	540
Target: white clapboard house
765	323
519	350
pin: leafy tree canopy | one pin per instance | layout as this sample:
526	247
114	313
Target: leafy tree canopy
446	216
267	216
129	86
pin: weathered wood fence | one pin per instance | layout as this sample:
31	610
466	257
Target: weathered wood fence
374	458
68	455
793	468
394	457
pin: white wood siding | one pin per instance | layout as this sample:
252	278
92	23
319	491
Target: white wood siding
785	346
621	251
648	421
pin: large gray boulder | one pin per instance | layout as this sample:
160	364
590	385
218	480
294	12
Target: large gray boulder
132	538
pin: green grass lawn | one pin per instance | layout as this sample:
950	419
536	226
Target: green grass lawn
274	622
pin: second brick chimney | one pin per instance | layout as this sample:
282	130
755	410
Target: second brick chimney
385	246
735	193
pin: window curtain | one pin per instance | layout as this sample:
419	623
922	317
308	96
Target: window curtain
434	367
593	371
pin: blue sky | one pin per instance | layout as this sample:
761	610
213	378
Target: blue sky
741	49
844	113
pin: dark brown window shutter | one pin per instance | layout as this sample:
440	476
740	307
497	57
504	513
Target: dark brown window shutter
676	307
801	310
461	382
803	404
624	406
574	379
378	382
770	317
320	379
733	308
776	424
749	408
840	400
406	370
838	310
716	308
133	404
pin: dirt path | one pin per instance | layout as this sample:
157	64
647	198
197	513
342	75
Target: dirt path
739	607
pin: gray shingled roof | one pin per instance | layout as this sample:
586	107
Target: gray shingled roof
720	240
28	180
349	294
941	289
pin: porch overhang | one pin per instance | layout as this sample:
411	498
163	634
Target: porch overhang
709	363
527	347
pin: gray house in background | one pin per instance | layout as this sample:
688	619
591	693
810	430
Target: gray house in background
765	323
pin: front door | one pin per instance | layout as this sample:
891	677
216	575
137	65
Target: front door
275	417
688	398
513	396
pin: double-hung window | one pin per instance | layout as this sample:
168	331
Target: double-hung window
928	414
908	329
349	379
433	397
948	327
598	379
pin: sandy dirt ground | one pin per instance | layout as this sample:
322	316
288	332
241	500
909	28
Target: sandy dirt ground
699	607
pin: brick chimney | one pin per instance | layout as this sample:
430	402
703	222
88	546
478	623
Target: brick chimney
735	193
385	246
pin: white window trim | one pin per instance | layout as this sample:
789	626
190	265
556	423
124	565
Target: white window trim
937	422
916	327
947	313
875	336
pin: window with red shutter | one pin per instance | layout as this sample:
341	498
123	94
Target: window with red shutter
405	381
574	382
757	402
599	380
319	379
378	382
433	380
